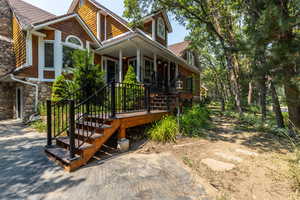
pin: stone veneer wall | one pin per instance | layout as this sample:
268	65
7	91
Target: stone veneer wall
7	100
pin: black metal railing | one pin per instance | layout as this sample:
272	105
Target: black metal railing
81	118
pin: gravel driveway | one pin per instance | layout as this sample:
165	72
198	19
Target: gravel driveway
26	173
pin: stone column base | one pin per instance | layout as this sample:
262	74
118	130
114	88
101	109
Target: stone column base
123	145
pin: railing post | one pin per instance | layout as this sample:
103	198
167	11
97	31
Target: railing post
113	99
124	97
72	128
147	97
49	124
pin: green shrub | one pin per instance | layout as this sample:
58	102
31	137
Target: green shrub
60	89
164	130
42	109
194	121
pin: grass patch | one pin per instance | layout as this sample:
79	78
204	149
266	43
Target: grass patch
39	125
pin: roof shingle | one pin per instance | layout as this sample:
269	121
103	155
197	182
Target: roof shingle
28	14
179	48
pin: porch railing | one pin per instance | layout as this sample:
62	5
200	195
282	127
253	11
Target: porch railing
73	117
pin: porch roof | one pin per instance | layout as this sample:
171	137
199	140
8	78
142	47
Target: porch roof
130	41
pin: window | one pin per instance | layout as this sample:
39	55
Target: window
49	55
74	41
161	28
67	57
149	66
190	58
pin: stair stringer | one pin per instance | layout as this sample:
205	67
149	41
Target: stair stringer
97	144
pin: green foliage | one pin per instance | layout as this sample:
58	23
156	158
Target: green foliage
42	109
133	12
60	89
194	121
40	126
86	74
165	130
130	77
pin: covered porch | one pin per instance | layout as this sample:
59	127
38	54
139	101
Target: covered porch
153	63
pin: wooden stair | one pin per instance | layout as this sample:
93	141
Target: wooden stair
98	134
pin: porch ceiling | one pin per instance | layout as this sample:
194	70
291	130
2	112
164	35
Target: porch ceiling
129	49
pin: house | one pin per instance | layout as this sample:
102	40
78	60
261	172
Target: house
36	47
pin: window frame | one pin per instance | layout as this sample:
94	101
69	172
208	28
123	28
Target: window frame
160	21
72	44
152	70
44	46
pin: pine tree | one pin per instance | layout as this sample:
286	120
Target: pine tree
130	76
60	89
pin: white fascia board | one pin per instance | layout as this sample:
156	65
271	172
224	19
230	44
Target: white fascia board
53	22
110	15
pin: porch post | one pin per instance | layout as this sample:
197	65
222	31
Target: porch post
169	73
176	71
58	51
155	66
138	64
120	65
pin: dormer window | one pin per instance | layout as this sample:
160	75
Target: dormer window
190	58
161	28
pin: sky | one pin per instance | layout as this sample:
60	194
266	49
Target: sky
60	7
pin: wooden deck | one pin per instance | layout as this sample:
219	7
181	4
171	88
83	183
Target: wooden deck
128	120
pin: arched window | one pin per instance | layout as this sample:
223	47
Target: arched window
161	28
75	41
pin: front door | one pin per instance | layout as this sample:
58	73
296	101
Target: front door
19	103
112	70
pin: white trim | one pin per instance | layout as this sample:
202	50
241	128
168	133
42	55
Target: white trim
165	16
21	102
39	34
153	29
114	38
44	53
105	10
105	59
105	26
99	25
58	54
41	60
85	27
72	44
144	70
29	48
54	21
88	46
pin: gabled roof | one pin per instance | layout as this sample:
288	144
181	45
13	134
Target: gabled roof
101	7
28	14
179	48
61	18
165	16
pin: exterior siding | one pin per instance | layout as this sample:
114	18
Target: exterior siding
50	35
88	13
114	28
19	45
148	28
49	74
32	71
71	27
158	39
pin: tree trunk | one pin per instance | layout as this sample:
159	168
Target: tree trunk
292	94
262	99
250	93
276	106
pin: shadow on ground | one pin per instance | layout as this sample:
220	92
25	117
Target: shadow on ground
25	170
226	131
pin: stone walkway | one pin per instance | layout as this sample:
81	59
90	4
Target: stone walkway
26	173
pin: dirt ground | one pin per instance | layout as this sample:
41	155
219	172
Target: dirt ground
258	162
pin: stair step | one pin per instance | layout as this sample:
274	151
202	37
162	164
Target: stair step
61	154
85	133
93	124
66	141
